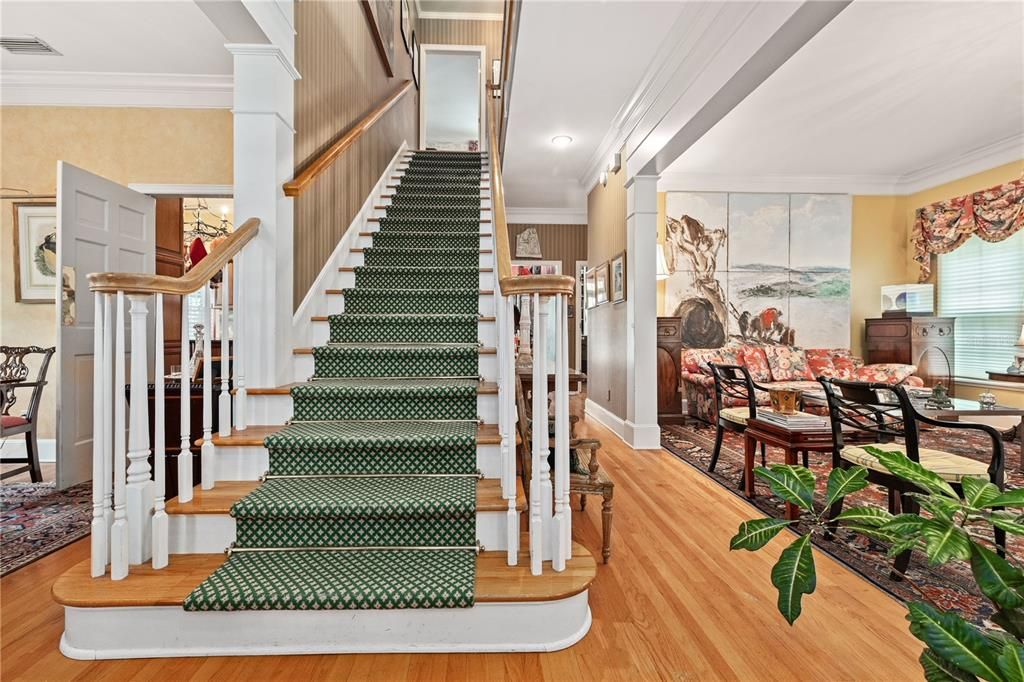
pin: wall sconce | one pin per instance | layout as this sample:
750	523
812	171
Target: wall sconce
604	178
616	163
662	267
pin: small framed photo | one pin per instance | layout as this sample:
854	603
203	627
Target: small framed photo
35	252
415	60
406	24
591	289
601	283
618	278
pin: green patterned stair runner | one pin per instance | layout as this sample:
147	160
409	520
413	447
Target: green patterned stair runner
371	488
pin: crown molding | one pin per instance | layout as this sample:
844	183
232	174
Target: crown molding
264	50
545	216
461	16
968	163
183	190
100	89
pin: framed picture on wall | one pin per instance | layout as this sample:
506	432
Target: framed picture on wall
380	15
618	278
406	23
35	252
601	283
415	60
591	288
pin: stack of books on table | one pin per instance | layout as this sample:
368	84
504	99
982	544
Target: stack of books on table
798	421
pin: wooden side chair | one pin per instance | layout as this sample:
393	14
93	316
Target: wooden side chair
585	474
13	377
864	412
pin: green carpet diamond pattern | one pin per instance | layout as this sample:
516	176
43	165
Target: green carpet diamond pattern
392	579
381	451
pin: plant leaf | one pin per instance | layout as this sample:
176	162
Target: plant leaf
937	669
999	580
1008	498
940	507
865	516
945	541
979	492
794	577
955	640
791	483
1011	662
842	482
1007	522
1011	620
904	524
907	469
756	533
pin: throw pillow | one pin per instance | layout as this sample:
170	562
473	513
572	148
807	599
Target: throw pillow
845	364
756	363
819	361
887	373
788	364
720	356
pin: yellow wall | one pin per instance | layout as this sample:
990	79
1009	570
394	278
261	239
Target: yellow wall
127	145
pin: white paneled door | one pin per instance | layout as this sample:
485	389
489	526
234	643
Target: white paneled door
101	227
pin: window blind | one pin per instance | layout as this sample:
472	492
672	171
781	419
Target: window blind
981	284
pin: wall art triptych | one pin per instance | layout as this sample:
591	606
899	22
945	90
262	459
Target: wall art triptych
764	268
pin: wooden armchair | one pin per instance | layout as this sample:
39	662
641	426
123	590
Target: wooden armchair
585	474
13	375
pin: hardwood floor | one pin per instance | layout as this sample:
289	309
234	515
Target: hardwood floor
674	603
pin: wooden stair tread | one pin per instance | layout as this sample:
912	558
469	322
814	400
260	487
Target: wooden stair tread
484	350
226	493
496	581
339	292
486	434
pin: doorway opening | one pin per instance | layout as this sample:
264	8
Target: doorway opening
452	98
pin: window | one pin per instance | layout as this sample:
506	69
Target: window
981	284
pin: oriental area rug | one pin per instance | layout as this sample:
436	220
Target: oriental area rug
37	519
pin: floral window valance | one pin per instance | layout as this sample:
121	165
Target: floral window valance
993	214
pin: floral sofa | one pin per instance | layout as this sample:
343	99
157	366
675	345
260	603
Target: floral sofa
778	367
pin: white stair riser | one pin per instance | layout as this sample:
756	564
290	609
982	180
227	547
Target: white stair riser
213	533
488	367
487	332
249	462
275	410
170	631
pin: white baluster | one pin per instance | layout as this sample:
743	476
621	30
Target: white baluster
224	409
540	393
241	418
525	324
159	443
99	452
185	393
207	452
108	414
119	529
140	486
564	410
507	406
539	437
558	554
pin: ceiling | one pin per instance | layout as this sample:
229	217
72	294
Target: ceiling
170	37
887	92
573	82
430	8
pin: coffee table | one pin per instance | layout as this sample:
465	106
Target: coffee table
791	441
962	407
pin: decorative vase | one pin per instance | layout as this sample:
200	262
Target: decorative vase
784	400
987	400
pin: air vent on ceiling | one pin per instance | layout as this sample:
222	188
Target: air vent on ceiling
26	45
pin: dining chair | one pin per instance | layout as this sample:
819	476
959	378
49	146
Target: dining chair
14	372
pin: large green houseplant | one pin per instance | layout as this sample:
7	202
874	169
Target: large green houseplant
954	529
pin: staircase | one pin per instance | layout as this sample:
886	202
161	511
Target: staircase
377	511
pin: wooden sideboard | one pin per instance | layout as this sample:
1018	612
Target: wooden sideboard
927	342
670	347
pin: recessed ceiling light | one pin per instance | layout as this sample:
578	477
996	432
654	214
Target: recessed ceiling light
561	140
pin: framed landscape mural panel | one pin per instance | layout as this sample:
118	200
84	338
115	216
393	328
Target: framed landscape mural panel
759	267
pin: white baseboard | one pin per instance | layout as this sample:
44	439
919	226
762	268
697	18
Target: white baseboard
607	419
315	301
643	436
14	447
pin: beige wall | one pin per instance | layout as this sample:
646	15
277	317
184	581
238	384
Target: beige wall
127	145
458	32
606	338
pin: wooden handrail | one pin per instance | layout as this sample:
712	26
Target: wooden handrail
193	280
545	285
303	180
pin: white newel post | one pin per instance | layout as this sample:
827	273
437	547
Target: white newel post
119	527
241	417
160	521
563	515
206	453
224	407
185	395
507	406
641	426
263	162
99	451
139	484
108	414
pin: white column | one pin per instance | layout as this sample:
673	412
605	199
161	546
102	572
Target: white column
263	162
139	484
99	447
563	515
641	425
